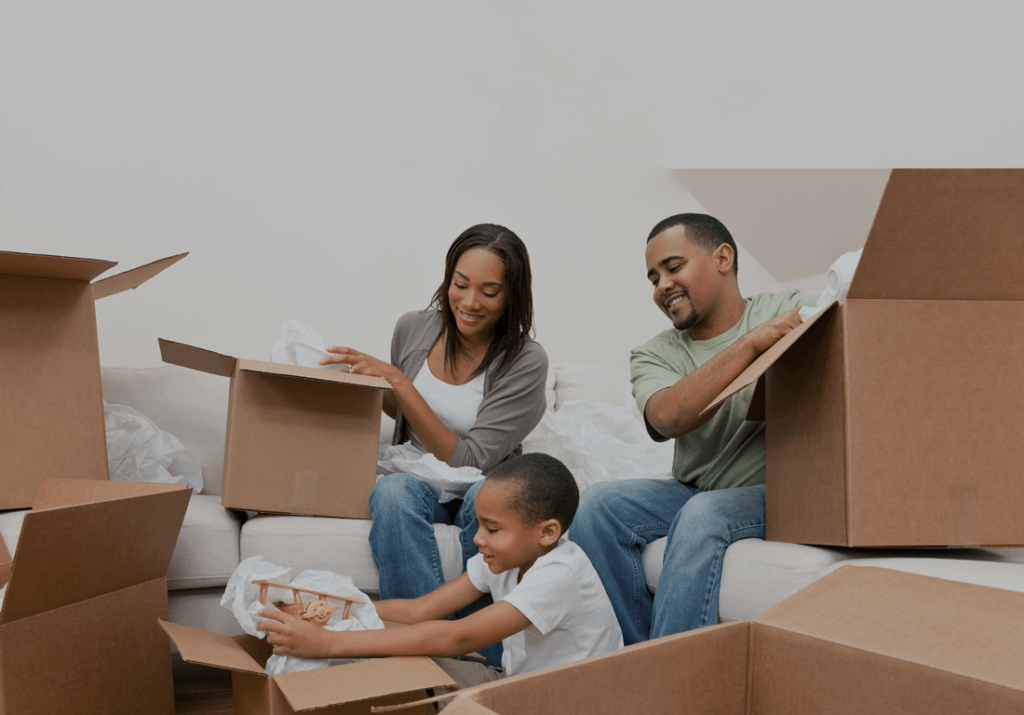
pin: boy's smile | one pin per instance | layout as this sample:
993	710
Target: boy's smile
504	541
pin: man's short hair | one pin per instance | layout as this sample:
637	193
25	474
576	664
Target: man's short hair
545	488
706	231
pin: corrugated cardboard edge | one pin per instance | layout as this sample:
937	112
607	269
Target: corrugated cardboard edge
133	278
196	358
5	563
312	373
39	265
55	493
765	360
213	649
357	682
844	326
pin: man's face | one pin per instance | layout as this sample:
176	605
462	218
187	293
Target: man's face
683	275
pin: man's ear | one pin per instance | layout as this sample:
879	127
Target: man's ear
550	532
724	257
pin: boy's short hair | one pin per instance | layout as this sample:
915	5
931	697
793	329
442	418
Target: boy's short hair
545	490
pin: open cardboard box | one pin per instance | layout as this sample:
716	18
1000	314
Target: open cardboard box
52	422
860	641
895	418
300	440
348	689
78	626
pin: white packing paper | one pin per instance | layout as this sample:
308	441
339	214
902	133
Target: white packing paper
837	283
241	597
139	451
447	482
601	443
300	345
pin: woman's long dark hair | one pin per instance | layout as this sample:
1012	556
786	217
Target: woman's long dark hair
515	325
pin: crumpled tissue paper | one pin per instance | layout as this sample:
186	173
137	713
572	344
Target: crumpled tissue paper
447	482
139	451
241	597
601	443
300	345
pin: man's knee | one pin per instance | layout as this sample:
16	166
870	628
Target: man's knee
720	512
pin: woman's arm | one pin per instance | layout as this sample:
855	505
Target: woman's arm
433	433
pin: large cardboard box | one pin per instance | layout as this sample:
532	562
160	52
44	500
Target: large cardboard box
351	689
299	440
860	641
895	419
78	627
51	424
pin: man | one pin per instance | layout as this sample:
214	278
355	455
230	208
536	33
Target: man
717	496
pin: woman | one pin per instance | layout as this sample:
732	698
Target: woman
468	387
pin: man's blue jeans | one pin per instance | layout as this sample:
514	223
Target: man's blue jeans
404	511
616	520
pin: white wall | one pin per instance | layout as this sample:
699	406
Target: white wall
317	158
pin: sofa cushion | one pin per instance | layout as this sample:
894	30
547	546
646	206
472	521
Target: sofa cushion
206	553
758	574
338	545
578	381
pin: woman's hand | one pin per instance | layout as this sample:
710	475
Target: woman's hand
361	363
293	636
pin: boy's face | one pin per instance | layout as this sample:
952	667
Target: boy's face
505	542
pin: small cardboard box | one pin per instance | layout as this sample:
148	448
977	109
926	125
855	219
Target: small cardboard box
349	689
78	627
860	641
52	421
299	440
895	418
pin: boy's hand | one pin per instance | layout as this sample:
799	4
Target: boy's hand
293	636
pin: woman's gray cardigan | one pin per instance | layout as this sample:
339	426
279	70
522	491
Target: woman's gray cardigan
513	401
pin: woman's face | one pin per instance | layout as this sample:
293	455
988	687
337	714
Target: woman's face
478	294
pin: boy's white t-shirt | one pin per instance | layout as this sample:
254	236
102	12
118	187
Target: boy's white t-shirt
570	615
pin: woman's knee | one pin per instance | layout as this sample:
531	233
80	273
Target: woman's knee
393	493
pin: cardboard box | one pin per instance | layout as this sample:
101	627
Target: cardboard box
350	689
52	421
299	440
78	627
860	641
894	419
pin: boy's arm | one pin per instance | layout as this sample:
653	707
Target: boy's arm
675	411
292	636
439	603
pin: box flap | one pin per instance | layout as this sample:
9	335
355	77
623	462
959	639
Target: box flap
765	360
5	563
36	265
53	493
946	234
313	373
73	553
314	689
196	358
973	631
133	278
213	649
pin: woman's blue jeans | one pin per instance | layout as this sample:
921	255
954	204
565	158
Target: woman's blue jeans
404	511
616	520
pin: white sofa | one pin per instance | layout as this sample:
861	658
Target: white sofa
193	406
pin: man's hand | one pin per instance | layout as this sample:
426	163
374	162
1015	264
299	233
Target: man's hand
767	334
293	636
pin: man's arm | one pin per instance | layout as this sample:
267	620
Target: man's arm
293	636
675	411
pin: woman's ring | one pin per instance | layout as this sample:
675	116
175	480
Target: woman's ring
351	369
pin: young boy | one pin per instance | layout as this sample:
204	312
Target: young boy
549	606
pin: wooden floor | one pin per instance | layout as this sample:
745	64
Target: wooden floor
206	692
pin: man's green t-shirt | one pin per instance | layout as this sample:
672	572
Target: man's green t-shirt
727	451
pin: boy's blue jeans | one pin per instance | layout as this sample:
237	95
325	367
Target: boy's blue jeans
616	520
404	511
